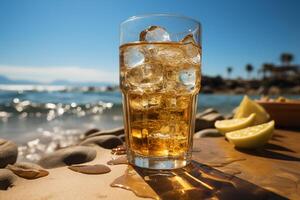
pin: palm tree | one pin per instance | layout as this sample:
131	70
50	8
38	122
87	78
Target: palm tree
229	71
286	58
249	68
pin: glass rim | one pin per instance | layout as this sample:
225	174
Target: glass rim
161	15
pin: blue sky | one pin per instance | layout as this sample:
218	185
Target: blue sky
78	40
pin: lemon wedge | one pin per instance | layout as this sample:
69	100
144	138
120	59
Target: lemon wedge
228	125
251	137
247	107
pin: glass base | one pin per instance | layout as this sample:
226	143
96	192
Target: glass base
161	163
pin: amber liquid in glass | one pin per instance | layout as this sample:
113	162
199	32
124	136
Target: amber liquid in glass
160	83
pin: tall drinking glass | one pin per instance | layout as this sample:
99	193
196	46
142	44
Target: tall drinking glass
160	73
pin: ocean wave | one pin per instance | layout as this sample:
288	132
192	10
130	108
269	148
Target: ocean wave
56	88
47	142
26	108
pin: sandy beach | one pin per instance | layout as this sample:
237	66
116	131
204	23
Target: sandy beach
278	163
164	100
62	183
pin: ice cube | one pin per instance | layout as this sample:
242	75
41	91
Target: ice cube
154	100
170	54
145	76
188	77
192	49
138	103
188	39
193	54
171	79
183	102
143	102
170	102
133	57
155	34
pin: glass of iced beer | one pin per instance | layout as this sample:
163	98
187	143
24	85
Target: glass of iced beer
160	73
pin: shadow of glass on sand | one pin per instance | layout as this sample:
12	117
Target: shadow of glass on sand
198	181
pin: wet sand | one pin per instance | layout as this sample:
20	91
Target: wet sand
274	168
63	183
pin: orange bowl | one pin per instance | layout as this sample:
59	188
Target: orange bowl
285	114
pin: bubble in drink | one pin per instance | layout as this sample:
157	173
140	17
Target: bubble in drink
155	34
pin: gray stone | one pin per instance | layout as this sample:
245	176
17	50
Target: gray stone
68	156
206	112
105	141
91	131
202	124
90	169
213	117
28	170
8	153
122	137
116	132
7	178
210	132
207	121
229	116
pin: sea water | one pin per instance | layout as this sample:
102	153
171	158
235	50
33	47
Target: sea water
28	112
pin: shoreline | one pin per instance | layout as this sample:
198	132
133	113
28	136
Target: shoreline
33	149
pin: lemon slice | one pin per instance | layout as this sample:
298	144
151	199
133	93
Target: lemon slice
247	106
228	125
251	137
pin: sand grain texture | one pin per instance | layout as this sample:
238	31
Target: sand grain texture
275	168
63	183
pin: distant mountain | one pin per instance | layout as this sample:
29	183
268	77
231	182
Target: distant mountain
5	80
76	83
60	82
